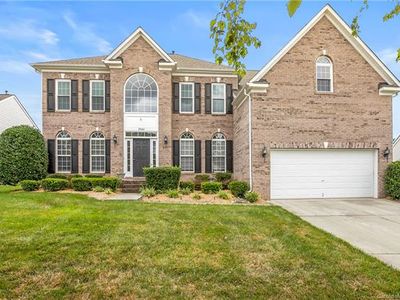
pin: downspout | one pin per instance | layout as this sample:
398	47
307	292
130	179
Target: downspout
250	141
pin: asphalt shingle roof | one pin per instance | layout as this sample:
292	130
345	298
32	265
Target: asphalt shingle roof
4	96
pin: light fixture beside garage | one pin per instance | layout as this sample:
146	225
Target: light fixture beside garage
386	153
264	152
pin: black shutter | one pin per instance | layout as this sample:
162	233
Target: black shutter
229	156
74	156
208	157
108	95
51	95
197	98
86	156
208	98
175	152
108	156
74	95
229	99
51	150
197	156
85	95
175	97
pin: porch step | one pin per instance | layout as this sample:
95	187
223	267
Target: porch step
132	185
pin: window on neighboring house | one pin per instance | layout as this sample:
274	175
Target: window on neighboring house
97	95
63	95
141	94
187	152
324	74
218	98
186	95
97	153
218	153
63	152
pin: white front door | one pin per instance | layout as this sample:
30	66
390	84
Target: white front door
323	173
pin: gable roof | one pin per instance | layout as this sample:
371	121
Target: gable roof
139	32
343	28
5	96
186	62
5	115
396	140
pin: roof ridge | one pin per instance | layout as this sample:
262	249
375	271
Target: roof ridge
199	59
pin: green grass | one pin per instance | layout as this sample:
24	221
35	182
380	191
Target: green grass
61	245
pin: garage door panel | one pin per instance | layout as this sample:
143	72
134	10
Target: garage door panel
322	173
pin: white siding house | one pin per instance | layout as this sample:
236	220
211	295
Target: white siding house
396	149
13	113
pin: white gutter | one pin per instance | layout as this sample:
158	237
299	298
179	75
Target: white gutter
250	142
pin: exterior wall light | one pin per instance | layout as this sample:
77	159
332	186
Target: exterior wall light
386	153
165	140
264	152
115	139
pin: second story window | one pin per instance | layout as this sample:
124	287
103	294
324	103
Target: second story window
186	97
218	98
141	94
63	90
324	74
97	95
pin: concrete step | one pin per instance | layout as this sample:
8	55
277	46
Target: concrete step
132	185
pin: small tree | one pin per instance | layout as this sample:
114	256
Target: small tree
23	155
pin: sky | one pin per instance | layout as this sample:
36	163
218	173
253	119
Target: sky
37	31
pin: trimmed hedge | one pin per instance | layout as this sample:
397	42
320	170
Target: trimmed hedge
30	185
224	176
88	183
162	178
238	188
23	155
211	187
59	176
186	185
94	176
54	184
392	180
199	179
81	184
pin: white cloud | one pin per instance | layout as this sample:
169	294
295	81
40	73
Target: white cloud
14	66
28	30
39	56
197	19
388	56
85	33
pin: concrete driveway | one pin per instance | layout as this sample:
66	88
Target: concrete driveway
372	225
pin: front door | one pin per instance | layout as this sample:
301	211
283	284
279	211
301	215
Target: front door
141	156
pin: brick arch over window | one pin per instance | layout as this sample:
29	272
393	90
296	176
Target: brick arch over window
141	94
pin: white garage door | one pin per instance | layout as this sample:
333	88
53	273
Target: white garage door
322	174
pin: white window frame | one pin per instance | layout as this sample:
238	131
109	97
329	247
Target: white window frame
317	64
212	99
104	96
180	151
212	154
180	97
70	91
138	112
57	155
91	155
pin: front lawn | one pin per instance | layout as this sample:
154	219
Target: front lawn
56	245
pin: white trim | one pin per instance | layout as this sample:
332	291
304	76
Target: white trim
317	64
194	151
139	32
341	25
389	91
56	150
56	94
90	153
180	97
212	156
212	99
104	96
376	164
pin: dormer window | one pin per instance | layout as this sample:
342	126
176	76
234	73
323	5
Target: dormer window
324	74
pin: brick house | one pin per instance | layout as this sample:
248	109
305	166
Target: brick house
315	122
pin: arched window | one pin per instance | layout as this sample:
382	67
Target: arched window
187	152
218	153
141	94
97	152
324	74
63	152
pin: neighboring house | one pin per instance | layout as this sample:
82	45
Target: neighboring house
13	113
396	149
315	122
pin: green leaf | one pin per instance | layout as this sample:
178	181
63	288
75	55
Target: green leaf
292	6
398	55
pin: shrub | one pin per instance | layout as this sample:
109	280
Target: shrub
98	189
108	191
54	184
59	176
23	155
251	196
106	182
173	194
199	179
211	187
185	191
187	185
30	185
221	177
82	184
162	178
238	188
94	176
392	180
223	195
148	192
196	196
